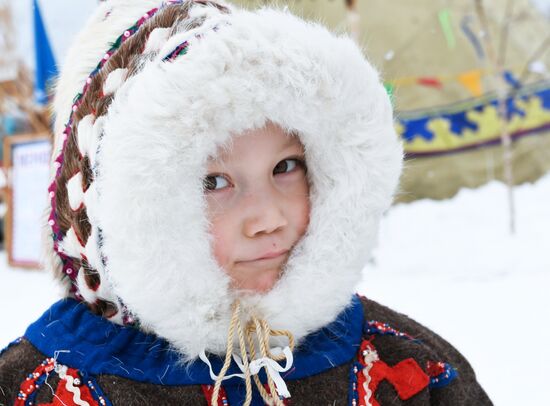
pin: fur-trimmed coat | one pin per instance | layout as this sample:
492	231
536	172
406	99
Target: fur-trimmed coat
370	355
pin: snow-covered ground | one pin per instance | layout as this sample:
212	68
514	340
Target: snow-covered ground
454	266
451	265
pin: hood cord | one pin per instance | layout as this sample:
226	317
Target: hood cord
251	368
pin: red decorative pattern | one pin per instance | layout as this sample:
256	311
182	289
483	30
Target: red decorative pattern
208	391
435	368
63	395
407	377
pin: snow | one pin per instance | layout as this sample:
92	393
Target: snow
454	267
451	265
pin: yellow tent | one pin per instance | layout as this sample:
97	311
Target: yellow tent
443	61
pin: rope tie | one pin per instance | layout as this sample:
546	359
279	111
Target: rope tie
268	359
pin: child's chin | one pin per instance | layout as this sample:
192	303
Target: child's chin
259	284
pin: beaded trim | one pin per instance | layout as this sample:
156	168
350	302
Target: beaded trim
384	329
68	268
81	389
69	247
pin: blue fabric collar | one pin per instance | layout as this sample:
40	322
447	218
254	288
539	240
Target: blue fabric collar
93	344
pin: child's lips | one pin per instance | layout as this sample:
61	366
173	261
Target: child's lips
268	257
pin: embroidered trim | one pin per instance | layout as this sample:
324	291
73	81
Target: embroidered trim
353	398
69	389
69	267
406	377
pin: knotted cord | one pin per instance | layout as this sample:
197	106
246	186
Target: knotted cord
251	368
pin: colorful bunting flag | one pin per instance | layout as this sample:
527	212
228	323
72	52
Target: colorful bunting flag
471	80
430	82
446	26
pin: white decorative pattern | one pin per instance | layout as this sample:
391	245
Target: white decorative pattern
85	134
370	357
70	244
70	382
75	192
156	40
115	79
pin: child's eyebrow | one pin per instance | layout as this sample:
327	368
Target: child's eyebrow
292	140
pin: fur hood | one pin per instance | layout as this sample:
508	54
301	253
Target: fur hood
173	83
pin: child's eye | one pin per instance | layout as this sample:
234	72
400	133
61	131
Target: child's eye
215	182
288	165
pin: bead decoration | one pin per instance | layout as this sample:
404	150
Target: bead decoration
70	389
441	374
374	327
67	261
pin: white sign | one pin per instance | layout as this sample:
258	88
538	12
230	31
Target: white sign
30	175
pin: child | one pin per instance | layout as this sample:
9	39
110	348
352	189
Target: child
215	195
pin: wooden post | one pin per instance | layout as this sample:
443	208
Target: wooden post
354	20
497	66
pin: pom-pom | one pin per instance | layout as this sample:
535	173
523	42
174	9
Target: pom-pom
114	81
75	192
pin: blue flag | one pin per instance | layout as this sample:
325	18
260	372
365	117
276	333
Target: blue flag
46	68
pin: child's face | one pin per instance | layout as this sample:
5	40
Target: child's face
257	205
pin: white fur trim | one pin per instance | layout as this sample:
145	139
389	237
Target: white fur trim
114	80
207	28
75	192
261	66
86	141
201	10
156	40
70	244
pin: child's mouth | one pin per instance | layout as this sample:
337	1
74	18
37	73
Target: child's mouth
267	259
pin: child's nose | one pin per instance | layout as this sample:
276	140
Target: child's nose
265	215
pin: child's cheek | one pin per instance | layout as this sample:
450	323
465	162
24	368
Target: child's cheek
221	242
